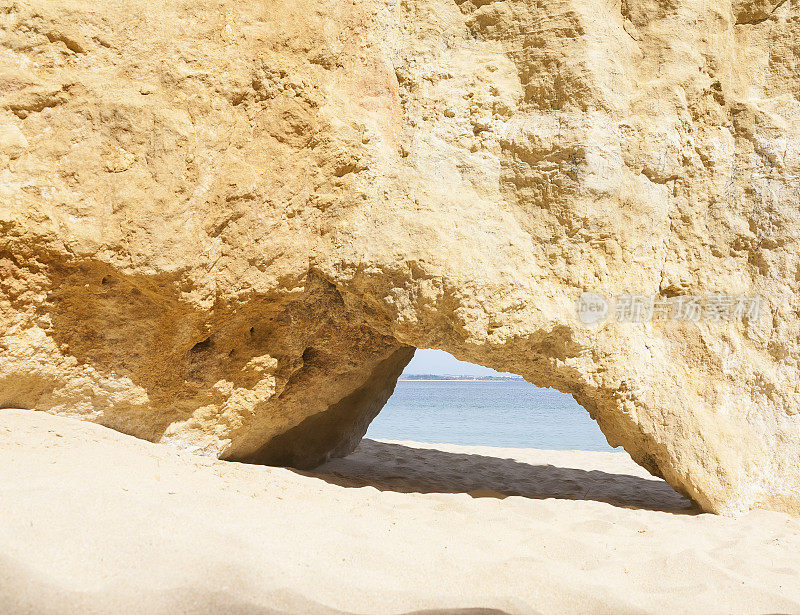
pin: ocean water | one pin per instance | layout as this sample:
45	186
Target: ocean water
500	413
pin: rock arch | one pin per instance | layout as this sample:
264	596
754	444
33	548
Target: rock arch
235	247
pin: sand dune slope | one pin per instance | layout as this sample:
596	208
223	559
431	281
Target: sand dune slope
93	521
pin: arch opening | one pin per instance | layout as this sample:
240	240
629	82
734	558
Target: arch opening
457	427
439	399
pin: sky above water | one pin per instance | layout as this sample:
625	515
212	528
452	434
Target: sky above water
440	363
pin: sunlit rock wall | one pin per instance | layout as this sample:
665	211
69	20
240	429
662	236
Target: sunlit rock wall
226	225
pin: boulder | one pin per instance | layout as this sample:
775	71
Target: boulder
226	226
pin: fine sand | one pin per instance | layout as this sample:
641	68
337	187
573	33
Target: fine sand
92	521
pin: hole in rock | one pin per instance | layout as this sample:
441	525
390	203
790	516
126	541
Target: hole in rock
201	346
439	399
439	402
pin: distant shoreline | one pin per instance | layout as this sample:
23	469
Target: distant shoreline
433	378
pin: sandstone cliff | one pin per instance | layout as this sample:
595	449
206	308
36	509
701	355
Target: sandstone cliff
226	225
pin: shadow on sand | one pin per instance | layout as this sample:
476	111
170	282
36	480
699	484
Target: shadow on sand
395	467
25	590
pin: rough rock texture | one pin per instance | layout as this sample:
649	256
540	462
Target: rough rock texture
225	225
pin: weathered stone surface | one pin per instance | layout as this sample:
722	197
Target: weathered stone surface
225	225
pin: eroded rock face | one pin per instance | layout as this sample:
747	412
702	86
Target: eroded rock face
227	225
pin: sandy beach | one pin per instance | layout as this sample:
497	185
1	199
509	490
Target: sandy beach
93	521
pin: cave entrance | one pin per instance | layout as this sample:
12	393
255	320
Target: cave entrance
441	400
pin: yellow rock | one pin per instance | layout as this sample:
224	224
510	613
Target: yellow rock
518	155
118	161
12	142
